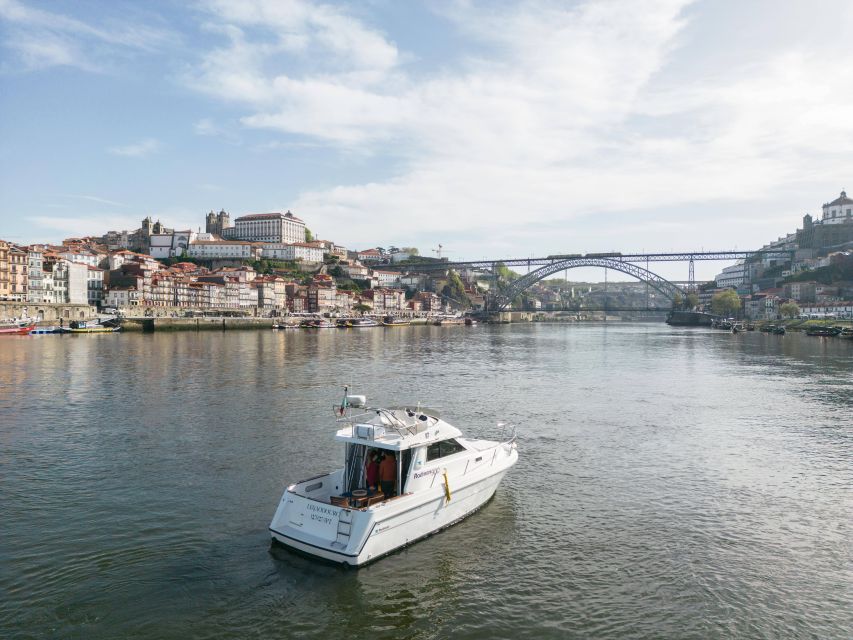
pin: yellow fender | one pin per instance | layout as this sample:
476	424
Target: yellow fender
446	486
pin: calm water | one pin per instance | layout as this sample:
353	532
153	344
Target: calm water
672	483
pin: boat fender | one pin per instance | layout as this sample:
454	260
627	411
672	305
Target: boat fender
446	486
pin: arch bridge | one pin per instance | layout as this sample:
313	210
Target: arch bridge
503	300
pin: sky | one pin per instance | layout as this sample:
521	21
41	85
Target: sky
496	129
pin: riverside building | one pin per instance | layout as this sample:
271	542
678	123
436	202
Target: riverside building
267	227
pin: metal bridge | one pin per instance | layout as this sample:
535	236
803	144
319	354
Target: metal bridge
540	268
683	256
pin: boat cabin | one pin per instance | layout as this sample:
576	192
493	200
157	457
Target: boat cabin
421	442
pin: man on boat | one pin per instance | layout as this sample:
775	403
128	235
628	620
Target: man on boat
388	473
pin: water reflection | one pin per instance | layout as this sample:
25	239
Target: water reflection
672	483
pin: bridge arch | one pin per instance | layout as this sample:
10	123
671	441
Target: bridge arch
665	287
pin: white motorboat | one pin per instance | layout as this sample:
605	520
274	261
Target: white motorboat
441	478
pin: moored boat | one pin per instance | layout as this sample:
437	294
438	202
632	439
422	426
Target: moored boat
435	478
20	328
391	321
446	320
82	326
823	331
316	323
363	323
43	331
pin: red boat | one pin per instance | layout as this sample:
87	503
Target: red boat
17	329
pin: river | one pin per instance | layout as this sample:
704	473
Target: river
679	483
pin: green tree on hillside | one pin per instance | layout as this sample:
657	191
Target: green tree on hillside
790	309
725	303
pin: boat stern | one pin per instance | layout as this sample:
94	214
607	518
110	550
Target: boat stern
318	528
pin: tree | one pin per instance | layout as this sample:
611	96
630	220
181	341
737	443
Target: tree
361	308
309	237
790	309
692	301
677	301
725	303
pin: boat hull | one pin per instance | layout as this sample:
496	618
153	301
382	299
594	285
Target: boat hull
21	330
311	527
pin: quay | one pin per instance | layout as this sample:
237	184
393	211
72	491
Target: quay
195	324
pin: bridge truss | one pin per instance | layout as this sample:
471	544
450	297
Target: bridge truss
436	265
503	299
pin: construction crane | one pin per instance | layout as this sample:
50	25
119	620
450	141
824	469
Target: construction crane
437	252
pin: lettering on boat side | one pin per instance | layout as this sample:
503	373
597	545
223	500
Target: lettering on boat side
322	514
428	472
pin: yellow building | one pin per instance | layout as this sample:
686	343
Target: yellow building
4	270
18	262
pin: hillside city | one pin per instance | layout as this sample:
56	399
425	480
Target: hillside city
269	264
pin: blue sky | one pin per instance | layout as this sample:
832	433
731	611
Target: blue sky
493	128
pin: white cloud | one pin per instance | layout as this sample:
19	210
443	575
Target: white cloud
41	39
137	150
556	114
97	199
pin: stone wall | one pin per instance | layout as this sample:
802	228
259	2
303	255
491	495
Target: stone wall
46	312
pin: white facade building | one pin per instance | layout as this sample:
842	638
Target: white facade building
838	211
170	245
223	249
35	264
122	297
386	278
291	251
267	227
95	285
78	283
732	277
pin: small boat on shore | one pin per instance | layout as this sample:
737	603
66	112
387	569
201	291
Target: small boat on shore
391	321
433	478
43	331
82	326
356	323
824	332
448	320
316	323
20	328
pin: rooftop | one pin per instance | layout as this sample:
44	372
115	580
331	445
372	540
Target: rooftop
268	216
843	199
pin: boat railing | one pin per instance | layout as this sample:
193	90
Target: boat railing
389	420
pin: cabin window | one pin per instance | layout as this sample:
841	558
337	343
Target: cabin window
443	449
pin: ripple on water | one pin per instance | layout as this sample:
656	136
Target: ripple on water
671	483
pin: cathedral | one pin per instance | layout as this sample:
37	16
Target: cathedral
217	222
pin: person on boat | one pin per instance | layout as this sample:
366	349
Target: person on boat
388	474
372	471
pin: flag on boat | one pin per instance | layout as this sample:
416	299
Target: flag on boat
344	403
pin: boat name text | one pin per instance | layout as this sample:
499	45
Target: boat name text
322	513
